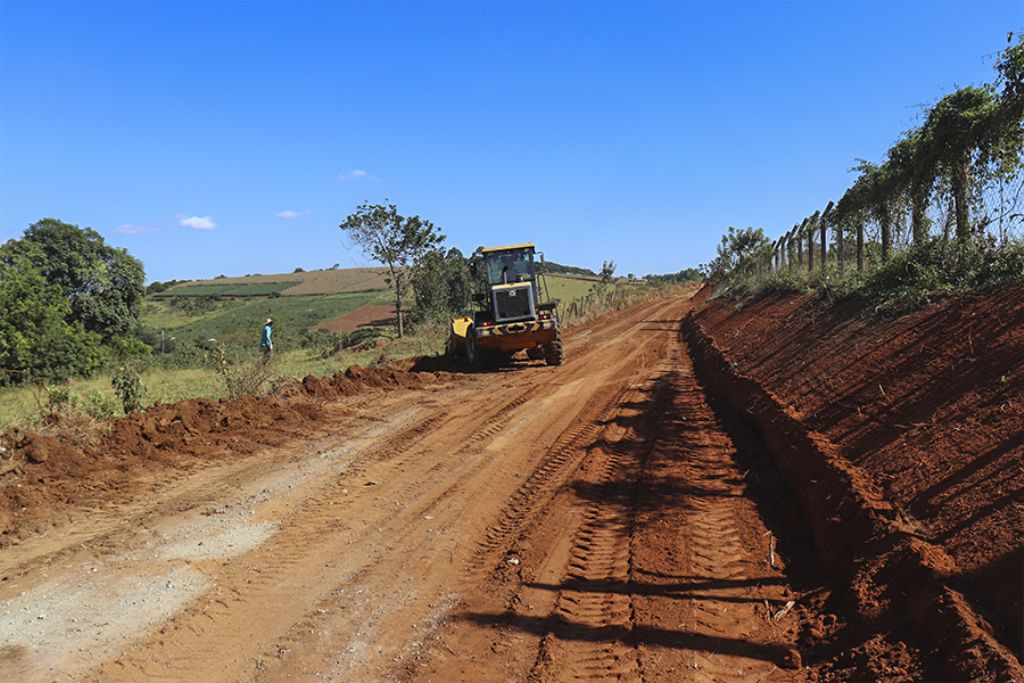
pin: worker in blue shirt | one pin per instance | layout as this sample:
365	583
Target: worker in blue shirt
265	342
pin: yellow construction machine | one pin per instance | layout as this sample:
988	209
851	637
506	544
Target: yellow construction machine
516	313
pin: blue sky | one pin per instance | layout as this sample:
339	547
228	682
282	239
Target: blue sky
229	137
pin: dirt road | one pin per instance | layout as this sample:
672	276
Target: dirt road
586	522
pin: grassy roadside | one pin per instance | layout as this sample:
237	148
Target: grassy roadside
22	406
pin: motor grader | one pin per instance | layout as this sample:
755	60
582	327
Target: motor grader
516	312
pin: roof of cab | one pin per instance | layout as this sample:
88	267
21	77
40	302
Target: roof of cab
526	245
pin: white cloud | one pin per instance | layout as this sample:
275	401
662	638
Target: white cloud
354	174
135	229
289	214
198	223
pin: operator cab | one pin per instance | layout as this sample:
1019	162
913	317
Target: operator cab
512	280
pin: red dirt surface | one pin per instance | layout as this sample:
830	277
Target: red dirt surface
44	476
648	511
371	314
926	411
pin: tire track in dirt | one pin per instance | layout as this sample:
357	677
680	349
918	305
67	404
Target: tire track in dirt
709	589
654	556
309	536
346	556
600	557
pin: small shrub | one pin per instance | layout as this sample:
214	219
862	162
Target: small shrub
362	335
244	375
60	399
99	406
127	383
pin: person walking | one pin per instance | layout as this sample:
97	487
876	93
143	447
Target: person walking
266	343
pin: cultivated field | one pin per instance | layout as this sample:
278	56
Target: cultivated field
313	282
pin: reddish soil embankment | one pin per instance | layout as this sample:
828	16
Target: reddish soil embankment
43	477
904	442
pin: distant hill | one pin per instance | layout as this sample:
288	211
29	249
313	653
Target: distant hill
308	283
561	269
303	283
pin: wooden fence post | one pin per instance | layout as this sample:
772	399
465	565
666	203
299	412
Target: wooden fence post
791	242
823	227
800	242
860	245
839	245
812	225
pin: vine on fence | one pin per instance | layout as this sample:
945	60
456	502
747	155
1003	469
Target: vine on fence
957	176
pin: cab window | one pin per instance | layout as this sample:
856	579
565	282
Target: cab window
508	267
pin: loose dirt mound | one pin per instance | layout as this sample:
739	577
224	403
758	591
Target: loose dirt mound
922	416
42	477
372	314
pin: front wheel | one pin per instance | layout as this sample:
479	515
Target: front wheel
472	350
554	352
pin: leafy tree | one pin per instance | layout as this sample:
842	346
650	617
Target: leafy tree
957	126
607	271
738	252
37	341
102	284
397	241
442	283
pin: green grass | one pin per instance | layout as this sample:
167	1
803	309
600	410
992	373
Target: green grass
20	406
234	289
565	289
161	314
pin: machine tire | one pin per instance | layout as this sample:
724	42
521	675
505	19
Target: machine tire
554	353
472	349
535	353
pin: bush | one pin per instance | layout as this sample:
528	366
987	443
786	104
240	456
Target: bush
362	335
127	383
936	268
99	406
244	373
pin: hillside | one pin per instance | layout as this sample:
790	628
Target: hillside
314	282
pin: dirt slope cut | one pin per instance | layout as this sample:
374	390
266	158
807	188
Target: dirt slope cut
930	406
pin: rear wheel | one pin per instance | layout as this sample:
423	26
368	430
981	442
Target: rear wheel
554	352
535	353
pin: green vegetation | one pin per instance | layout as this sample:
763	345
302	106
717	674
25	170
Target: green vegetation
910	279
684	275
567	289
397	241
228	290
940	215
77	338
68	303
443	284
239	322
560	269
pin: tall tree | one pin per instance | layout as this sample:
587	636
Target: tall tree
37	343
394	240
103	284
442	283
